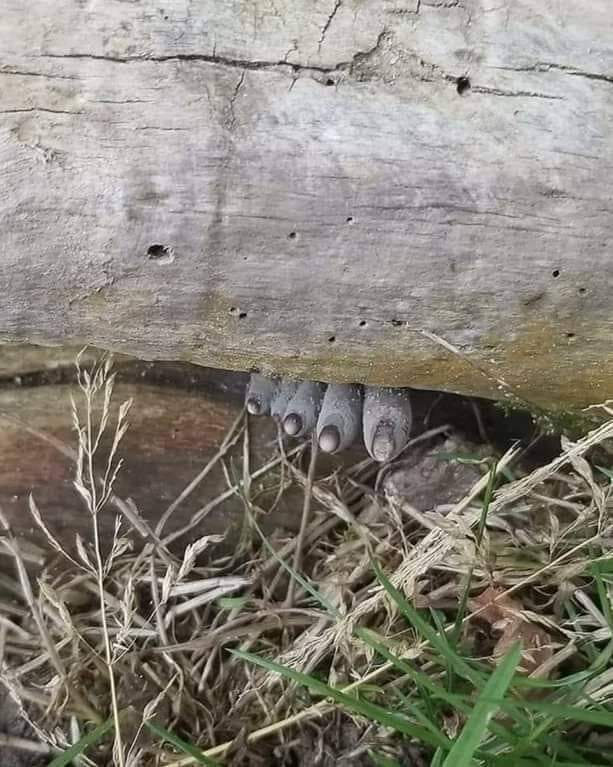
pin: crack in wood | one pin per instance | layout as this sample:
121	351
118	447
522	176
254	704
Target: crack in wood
574	72
252	64
564	68
30	73
329	21
243	64
232	120
514	94
358	59
26	110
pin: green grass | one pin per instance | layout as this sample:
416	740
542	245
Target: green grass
503	718
181	745
79	748
488	703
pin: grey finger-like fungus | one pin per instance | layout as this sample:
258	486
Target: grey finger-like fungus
282	397
260	393
386	421
340	420
303	409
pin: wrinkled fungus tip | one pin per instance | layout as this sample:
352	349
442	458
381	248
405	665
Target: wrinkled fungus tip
383	444
254	406
292	424
329	439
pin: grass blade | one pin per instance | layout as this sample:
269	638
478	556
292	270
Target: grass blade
488	702
439	642
607	472
421	680
306	585
78	748
454	637
511	761
487	499
380	760
437	692
599	570
180	744
369	710
600	718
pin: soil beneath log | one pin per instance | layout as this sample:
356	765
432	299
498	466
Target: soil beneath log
14	726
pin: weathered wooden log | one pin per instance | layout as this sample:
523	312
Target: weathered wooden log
397	192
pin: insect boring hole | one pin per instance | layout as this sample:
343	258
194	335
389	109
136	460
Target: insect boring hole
462	85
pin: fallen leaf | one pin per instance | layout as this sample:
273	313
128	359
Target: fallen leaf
505	616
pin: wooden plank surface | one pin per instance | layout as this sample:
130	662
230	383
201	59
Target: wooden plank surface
408	193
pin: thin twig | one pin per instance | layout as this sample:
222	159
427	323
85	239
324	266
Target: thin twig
204	511
306	511
229	441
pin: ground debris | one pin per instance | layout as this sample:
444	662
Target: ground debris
196	641
508	619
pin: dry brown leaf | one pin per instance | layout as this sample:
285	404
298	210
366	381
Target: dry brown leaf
452	722
506	617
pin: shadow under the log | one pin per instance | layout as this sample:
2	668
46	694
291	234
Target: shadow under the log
179	417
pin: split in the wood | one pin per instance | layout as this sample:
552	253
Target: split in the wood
339	413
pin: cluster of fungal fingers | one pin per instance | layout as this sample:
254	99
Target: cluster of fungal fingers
340	414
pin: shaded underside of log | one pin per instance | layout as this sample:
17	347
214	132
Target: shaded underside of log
179	417
408	193
173	434
21	363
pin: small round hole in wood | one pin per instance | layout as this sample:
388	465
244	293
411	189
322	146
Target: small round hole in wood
462	85
161	254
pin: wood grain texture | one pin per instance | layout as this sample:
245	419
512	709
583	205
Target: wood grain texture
22	361
320	198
